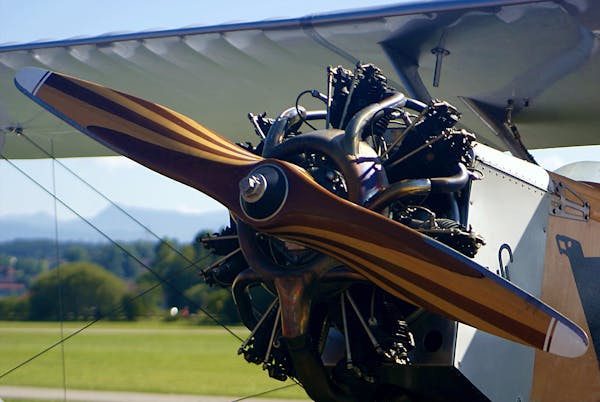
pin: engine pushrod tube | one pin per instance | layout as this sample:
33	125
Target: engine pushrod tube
258	325
240	291
364	324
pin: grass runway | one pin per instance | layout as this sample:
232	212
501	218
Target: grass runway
161	357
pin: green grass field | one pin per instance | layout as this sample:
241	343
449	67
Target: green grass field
142	357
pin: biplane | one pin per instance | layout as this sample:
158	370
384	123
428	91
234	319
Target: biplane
383	245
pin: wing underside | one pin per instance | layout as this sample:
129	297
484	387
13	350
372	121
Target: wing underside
526	63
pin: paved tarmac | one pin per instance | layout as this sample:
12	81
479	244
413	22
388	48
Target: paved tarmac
41	394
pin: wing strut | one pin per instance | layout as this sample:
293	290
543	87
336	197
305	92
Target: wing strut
500	122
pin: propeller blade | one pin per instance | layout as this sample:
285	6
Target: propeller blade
417	268
152	135
281	199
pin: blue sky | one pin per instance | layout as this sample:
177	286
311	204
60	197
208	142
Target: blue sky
121	180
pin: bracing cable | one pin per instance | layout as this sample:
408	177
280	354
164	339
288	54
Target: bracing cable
160	279
267	392
119	307
98	192
119	246
60	282
60	343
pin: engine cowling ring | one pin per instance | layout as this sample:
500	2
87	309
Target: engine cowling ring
363	172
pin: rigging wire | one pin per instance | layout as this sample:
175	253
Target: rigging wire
98	192
76	332
116	309
119	307
115	243
59	278
161	280
268	392
147	229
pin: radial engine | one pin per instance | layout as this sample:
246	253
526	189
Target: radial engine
345	339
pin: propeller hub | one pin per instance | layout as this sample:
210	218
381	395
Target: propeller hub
263	192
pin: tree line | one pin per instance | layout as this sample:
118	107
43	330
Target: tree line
32	257
85	281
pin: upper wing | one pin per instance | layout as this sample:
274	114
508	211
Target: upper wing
537	60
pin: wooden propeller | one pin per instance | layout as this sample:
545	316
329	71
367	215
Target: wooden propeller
278	198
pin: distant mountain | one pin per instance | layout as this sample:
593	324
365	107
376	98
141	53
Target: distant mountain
115	224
